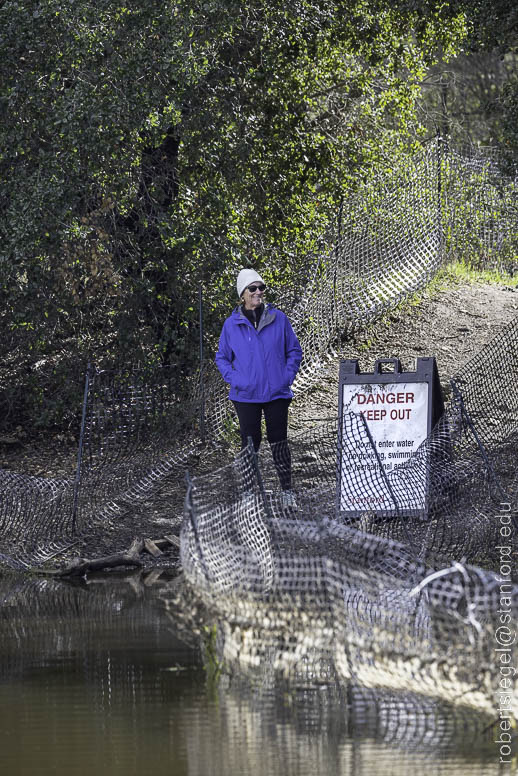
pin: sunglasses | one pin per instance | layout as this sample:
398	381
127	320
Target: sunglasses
258	287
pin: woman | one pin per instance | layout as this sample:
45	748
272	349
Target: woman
259	355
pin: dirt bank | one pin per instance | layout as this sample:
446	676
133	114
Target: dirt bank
452	324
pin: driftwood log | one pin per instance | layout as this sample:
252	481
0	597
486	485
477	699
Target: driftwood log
79	567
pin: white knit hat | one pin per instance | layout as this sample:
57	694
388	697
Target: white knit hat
245	277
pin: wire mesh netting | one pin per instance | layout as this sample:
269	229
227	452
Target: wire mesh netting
386	243
139	429
36	517
386	595
142	428
95	628
380	599
281	682
481	207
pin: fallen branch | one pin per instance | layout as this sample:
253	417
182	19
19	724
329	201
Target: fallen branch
79	567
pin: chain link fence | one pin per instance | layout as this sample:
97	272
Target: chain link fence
385	599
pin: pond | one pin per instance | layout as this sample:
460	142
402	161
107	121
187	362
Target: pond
100	678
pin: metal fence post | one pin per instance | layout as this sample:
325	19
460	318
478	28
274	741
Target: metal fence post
77	482
440	197
202	376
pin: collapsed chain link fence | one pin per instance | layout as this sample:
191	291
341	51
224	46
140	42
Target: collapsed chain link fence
389	595
140	428
365	586
75	620
387	598
138	431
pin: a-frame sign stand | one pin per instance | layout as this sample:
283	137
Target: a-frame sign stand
399	409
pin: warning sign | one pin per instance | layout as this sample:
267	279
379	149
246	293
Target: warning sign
398	408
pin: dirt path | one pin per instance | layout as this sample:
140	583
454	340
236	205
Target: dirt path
452	324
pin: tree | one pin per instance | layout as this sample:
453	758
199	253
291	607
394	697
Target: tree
146	149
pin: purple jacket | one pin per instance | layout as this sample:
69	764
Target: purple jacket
260	364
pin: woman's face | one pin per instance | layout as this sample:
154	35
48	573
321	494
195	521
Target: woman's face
253	295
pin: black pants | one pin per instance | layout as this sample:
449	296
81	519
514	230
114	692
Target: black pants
276	419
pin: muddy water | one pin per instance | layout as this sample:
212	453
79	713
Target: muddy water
99	678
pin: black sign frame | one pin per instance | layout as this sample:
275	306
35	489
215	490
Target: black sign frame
387	371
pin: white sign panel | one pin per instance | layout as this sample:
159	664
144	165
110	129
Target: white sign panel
397	418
